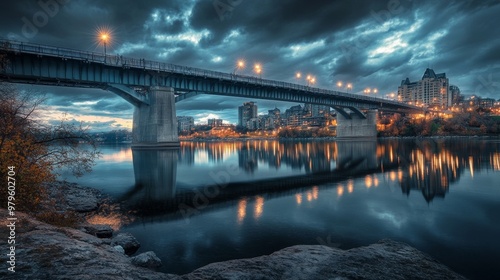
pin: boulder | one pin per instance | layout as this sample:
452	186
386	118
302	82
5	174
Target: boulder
119	248
386	259
100	231
127	241
147	259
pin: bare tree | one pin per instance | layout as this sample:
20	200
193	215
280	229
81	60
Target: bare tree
35	149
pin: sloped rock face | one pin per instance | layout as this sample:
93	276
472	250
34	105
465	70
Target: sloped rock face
47	252
384	260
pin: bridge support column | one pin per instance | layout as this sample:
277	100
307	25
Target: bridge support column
354	126
155	125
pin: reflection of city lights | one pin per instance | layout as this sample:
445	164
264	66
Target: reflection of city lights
259	207
242	210
392	176
471	166
350	186
309	196
298	198
340	190
375	180
495	161
368	181
315	192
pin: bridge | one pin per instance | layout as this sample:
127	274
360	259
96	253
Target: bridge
154	88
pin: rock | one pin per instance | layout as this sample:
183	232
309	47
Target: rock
119	248
81	199
384	260
147	259
127	241
50	252
100	231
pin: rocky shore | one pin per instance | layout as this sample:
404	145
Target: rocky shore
97	251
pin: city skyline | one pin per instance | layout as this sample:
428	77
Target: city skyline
366	44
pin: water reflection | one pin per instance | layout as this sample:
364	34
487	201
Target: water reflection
427	166
155	172
252	198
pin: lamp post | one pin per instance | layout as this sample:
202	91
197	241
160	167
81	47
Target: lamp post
349	86
104	37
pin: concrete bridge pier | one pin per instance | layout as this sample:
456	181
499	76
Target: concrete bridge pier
155	125
356	124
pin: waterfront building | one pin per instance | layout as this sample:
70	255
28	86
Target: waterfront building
185	123
431	91
246	112
214	122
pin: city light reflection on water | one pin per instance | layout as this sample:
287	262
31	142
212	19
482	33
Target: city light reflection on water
256	197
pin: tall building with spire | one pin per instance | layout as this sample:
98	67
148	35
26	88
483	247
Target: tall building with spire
431	91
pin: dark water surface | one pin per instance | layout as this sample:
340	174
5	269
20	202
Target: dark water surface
215	201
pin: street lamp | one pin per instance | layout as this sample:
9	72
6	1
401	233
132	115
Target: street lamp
239	65
298	75
339	84
258	69
349	86
104	38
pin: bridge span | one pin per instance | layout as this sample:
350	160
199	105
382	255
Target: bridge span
154	88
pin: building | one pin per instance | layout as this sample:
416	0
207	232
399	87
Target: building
314	110
431	91
293	115
214	122
456	98
275	115
487	103
185	123
246	112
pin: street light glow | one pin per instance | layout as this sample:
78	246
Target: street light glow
298	75
258	69
241	64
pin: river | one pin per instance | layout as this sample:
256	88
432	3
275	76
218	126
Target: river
215	201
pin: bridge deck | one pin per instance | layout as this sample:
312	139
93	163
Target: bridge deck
141	72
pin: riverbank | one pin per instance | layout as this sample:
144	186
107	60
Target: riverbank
97	251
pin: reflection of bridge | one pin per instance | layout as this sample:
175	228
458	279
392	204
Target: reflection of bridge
426	166
151	87
155	192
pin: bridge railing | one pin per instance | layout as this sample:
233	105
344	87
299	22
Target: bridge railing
118	60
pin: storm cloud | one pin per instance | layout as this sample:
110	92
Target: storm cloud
367	43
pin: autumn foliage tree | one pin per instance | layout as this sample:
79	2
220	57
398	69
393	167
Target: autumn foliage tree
36	150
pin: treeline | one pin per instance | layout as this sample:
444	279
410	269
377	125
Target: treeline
463	124
114	136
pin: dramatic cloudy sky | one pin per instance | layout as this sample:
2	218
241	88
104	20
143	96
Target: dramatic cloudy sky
368	43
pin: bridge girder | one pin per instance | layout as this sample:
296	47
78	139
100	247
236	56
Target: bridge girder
53	66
